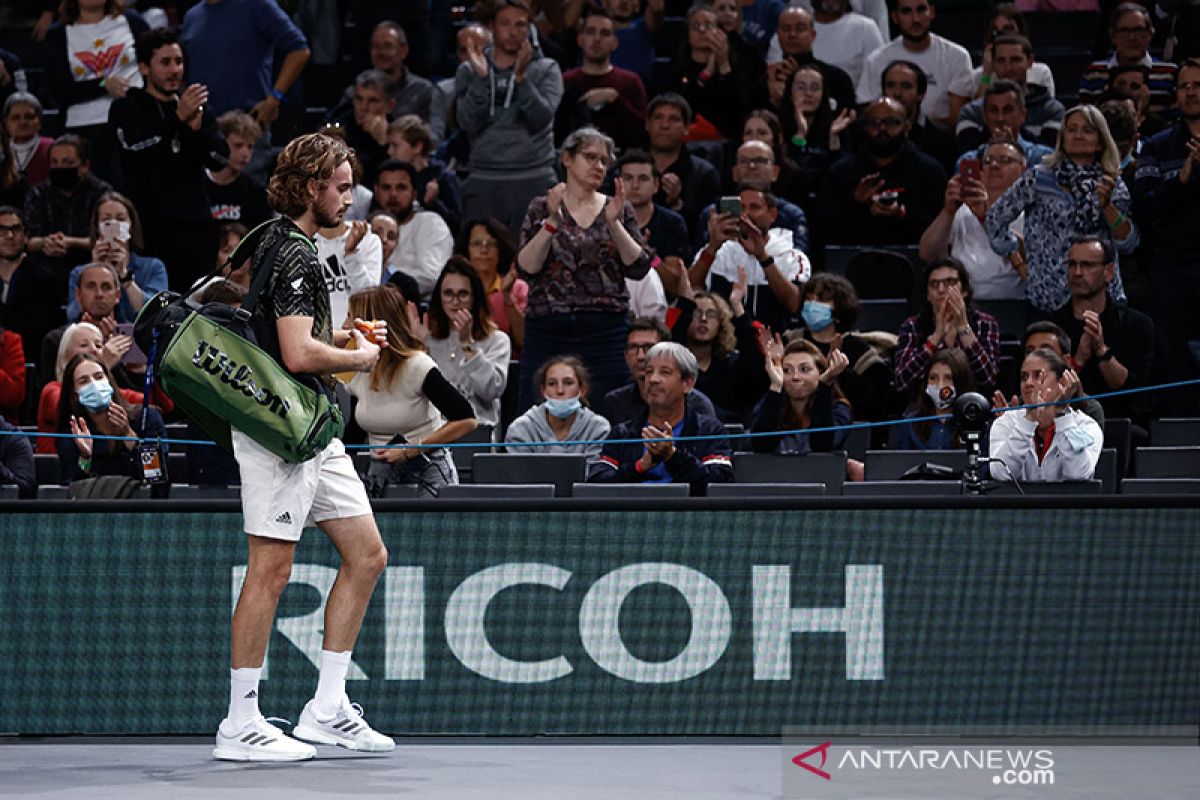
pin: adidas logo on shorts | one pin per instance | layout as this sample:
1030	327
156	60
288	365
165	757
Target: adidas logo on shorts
284	519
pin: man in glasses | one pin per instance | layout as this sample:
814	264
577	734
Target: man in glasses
629	401
940	59
888	191
957	231
28	298
1114	344
1130	29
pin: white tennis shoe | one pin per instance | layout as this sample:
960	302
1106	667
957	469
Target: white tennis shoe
346	728
259	740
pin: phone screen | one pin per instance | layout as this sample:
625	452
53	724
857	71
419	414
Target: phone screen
730	205
134	357
969	168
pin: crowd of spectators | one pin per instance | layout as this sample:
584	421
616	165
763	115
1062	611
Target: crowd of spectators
615	218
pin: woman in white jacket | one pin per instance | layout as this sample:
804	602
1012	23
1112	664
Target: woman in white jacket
1049	443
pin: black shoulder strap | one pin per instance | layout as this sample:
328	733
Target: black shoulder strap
246	249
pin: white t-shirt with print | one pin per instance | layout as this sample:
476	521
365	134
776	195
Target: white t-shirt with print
99	50
943	63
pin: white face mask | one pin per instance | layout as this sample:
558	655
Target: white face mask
942	396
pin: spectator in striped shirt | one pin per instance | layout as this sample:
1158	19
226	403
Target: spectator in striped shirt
1130	29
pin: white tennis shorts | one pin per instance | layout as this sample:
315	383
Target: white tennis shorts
280	500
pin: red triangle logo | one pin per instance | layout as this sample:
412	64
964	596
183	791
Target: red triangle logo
823	750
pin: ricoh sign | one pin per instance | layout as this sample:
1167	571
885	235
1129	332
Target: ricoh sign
776	625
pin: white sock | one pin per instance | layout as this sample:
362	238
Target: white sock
331	686
243	694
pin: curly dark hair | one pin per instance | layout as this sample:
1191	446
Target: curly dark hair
829	287
312	156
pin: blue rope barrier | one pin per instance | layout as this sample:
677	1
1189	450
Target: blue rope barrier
744	435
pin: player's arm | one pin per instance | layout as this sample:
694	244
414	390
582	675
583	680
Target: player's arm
302	353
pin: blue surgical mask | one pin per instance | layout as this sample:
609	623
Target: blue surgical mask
563	408
942	396
817	316
96	396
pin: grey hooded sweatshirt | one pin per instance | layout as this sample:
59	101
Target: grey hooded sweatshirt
510	124
533	427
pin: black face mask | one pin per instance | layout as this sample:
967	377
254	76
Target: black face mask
65	178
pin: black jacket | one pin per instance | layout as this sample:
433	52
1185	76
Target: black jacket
163	159
698	463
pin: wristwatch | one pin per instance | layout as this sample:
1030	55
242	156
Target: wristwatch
127	279
1105	356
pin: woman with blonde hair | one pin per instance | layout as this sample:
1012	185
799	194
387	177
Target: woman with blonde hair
81	337
1077	191
405	400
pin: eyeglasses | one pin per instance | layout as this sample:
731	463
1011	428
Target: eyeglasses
633	347
1073	264
595	158
11	230
483	244
1002	161
703	27
943	283
891	123
462	295
1033	375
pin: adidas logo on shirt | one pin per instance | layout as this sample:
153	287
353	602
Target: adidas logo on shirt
284	519
250	695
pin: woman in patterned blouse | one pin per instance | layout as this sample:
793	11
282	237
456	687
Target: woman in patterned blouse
1076	192
577	248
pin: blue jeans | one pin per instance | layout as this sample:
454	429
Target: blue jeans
597	337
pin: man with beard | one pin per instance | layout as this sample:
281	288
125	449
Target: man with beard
889	191
1040	115
167	138
904	81
506	99
940	59
598	93
792	48
423	242
311	190
1167	204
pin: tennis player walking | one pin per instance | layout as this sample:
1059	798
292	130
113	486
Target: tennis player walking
310	188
